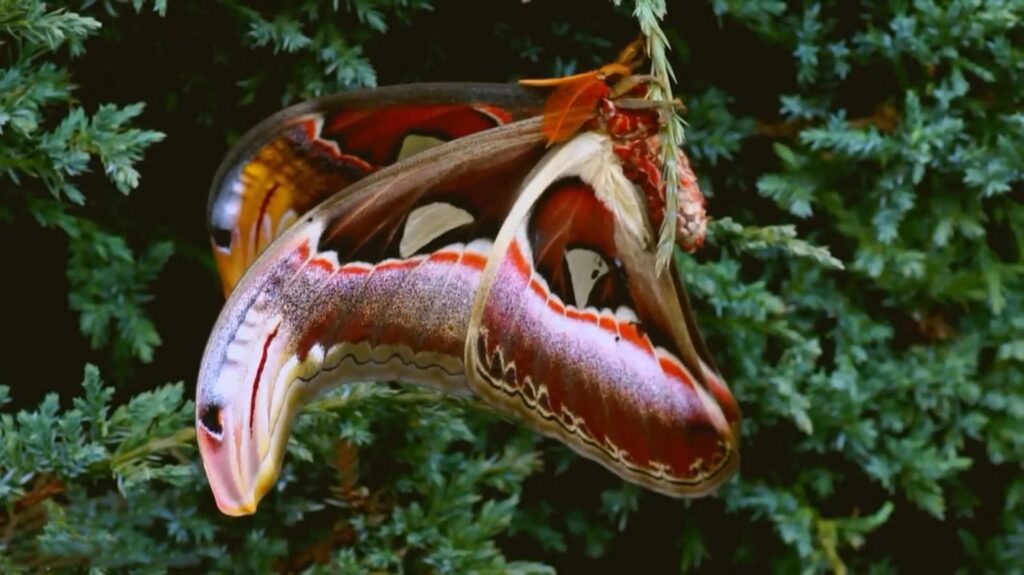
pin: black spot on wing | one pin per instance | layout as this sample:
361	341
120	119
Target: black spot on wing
210	419
221	237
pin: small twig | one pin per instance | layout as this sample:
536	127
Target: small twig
642	104
649	14
181	437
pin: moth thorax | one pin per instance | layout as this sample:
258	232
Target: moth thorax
636	140
624	125
642	164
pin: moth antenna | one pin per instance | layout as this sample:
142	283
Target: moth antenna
630	83
547	82
642	104
634	54
628	60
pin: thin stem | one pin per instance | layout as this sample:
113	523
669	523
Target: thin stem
649	14
181	437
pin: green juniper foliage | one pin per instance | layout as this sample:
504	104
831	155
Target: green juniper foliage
861	289
42	157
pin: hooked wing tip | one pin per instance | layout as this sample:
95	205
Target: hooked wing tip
240	509
238	476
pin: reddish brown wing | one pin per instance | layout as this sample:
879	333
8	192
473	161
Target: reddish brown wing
374	284
299	157
573	330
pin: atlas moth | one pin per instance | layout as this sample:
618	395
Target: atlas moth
487	240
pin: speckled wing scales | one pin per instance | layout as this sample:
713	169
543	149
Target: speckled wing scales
573	330
297	158
374	284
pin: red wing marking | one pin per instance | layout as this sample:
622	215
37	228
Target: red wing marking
500	115
556	306
630	333
322	263
474	260
723	396
538	288
356	268
259	375
311	126
263	212
673	368
519	261
376	135
399	264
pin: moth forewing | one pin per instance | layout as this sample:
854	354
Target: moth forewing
337	298
295	159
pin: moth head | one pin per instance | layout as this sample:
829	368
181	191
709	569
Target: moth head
247	394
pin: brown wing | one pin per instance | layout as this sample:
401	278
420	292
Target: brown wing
374	284
297	158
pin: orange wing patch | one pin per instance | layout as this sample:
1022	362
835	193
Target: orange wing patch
575	99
